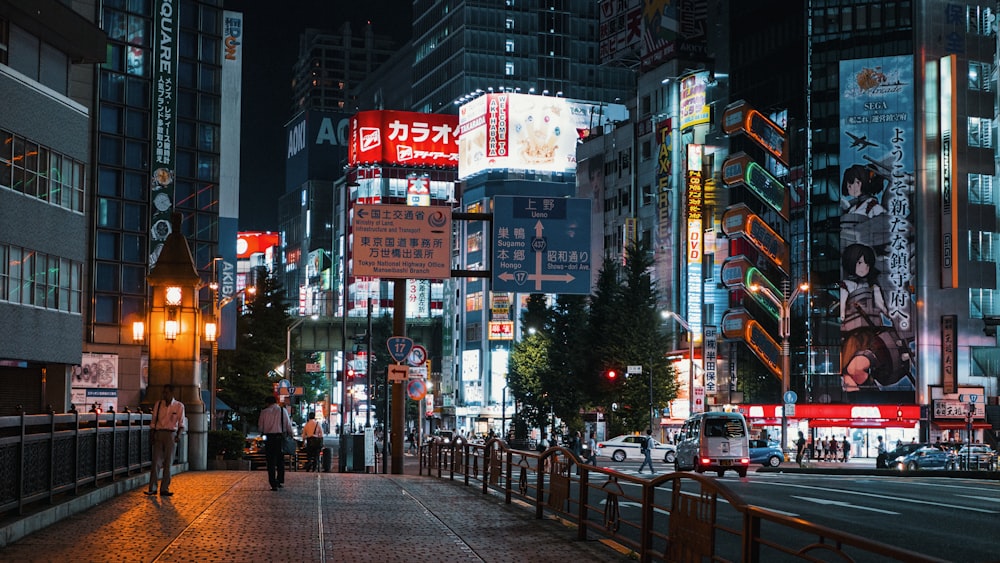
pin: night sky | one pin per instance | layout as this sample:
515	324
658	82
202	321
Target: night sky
270	46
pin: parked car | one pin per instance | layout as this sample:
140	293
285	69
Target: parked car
976	456
625	447
766	453
923	457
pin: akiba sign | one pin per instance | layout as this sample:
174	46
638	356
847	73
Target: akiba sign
403	138
316	148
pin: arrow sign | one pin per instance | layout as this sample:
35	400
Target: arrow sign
541	244
399	347
844	504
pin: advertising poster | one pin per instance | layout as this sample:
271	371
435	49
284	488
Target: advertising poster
527	132
877	241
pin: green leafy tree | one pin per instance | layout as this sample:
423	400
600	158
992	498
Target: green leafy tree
626	331
244	373
529	360
564	379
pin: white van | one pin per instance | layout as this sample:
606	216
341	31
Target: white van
714	441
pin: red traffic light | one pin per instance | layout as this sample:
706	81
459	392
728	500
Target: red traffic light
350	373
611	375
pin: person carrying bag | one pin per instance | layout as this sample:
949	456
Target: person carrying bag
276	427
313	433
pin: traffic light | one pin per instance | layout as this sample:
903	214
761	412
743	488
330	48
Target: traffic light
611	375
350	374
899	414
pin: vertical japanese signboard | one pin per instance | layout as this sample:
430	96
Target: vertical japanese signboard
164	125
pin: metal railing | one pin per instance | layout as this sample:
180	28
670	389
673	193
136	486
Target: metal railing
679	516
46	455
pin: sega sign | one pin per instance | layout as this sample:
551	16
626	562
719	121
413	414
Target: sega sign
403	138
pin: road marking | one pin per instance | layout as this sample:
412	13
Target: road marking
883	497
844	504
975	497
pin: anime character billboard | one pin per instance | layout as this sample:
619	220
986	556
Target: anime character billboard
876	231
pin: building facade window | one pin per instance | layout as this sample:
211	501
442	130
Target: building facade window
39	172
981	189
39	280
980	77
980	132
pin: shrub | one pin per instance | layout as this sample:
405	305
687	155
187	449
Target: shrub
227	443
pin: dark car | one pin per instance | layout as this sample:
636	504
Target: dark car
924	456
765	454
975	457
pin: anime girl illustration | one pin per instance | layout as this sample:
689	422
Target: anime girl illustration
861	187
874	355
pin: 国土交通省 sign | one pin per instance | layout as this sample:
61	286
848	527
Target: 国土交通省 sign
403	242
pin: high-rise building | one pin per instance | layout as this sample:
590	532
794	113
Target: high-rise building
530	46
901	209
331	64
158	130
47	55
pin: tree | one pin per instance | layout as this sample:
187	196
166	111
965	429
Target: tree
529	359
626	330
244	373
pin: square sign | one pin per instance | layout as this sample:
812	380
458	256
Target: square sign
402	242
541	245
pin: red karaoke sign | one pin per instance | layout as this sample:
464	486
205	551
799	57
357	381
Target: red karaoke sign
403	138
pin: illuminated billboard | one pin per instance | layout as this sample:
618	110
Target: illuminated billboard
877	249
526	132
403	138
694	111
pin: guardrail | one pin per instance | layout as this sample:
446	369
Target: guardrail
679	516
45	455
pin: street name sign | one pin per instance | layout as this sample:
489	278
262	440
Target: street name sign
402	242
541	245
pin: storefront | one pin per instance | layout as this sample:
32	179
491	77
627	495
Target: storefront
861	424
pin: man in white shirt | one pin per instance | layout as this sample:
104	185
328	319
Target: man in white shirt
274	424
166	426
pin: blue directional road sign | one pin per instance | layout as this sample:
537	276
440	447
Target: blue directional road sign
541	244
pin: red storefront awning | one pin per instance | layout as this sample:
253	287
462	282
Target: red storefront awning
959	424
830	415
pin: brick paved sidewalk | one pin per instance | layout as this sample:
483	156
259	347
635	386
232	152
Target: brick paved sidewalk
234	516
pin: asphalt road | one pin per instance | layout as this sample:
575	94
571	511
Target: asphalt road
955	519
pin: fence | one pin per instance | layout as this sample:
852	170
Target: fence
674	517
46	455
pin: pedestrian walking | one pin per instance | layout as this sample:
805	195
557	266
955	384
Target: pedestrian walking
411	442
166	426
831	448
576	445
820	447
880	461
274	424
313	433
800	449
845	450
647	451
592	454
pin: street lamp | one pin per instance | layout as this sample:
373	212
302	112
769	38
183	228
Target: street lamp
684	324
784	330
287	371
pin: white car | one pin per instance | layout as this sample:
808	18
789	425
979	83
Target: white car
621	448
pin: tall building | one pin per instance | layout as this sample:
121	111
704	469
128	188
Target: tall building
329	68
158	134
47	55
331	64
902	209
531	46
468	50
